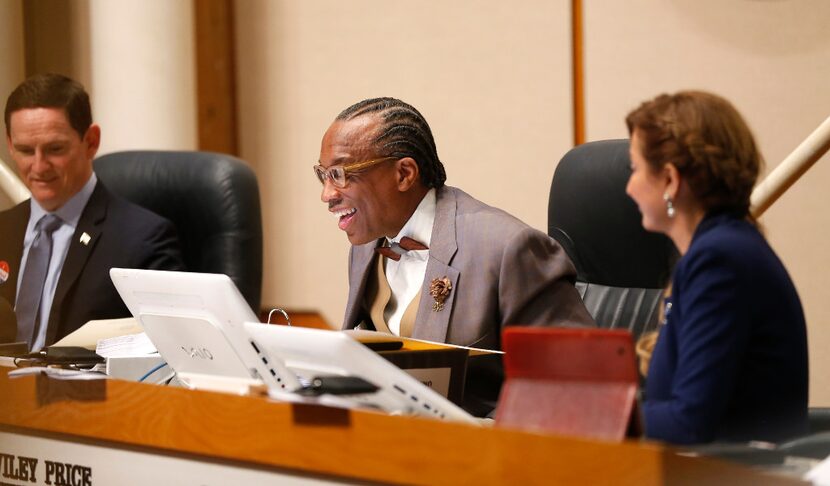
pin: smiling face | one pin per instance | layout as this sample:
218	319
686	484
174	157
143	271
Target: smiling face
646	187
53	160
371	205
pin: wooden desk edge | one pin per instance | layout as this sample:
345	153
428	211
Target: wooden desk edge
350	444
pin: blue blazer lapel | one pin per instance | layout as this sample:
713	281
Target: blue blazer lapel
432	325
90	223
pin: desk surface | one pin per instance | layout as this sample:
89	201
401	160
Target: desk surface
333	442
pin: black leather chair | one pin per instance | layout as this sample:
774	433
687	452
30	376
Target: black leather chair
621	268
819	419
211	198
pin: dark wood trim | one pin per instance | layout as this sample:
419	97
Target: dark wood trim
577	59
216	75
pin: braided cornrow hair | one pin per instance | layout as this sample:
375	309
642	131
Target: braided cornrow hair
404	133
708	141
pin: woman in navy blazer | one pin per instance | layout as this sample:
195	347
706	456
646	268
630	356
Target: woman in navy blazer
730	363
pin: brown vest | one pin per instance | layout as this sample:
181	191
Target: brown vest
377	298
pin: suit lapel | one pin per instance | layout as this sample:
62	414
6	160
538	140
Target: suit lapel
430	324
360	269
79	251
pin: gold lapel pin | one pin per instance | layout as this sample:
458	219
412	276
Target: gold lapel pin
85	238
439	289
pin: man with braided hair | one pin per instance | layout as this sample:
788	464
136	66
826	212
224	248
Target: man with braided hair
427	260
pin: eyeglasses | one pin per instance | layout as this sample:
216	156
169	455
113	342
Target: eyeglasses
337	174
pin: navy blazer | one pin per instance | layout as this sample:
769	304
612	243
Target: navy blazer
731	361
121	235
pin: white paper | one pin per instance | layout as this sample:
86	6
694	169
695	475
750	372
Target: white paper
88	335
125	346
820	475
59	373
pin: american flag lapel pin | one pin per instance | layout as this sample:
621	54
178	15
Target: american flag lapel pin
85	238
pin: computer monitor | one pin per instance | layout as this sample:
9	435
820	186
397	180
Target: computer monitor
314	353
195	320
203	327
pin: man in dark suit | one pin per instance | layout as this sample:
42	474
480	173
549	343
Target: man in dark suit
460	270
57	248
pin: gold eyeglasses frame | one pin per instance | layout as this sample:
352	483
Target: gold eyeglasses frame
338	173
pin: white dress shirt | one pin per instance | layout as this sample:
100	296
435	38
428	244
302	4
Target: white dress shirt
406	276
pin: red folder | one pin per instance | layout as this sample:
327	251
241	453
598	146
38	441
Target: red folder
578	382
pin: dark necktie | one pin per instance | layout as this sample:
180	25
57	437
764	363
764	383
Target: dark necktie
33	278
395	250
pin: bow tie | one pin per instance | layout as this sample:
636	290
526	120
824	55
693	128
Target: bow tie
395	250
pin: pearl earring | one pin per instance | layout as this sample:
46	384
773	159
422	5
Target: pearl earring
669	205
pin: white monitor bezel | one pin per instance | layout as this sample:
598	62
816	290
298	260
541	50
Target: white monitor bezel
206	313
315	352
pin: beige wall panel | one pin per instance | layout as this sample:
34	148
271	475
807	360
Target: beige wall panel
772	59
143	74
491	77
12	59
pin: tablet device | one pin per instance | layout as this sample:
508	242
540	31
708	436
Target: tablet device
195	320
572	381
320	354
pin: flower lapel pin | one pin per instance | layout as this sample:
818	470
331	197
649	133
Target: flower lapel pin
439	289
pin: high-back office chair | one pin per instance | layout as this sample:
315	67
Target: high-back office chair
621	268
211	198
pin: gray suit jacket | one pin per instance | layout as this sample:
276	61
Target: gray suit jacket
503	272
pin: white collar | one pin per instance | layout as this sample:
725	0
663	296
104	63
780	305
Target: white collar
70	212
419	225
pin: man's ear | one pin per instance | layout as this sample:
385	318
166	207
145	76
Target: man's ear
407	173
92	138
